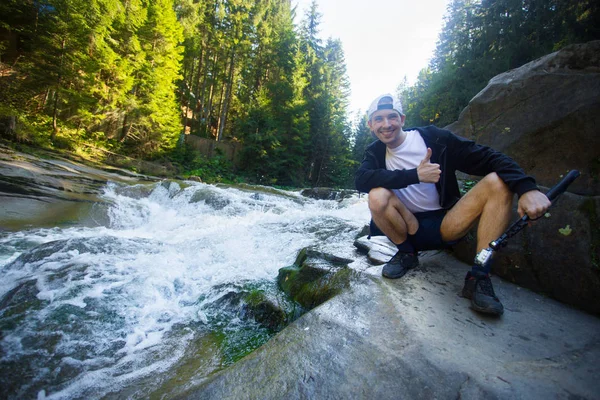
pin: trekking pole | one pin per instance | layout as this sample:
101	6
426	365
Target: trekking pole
484	257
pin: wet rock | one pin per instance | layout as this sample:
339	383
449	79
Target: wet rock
259	191
140	191
49	192
379	249
173	187
324	193
265	311
210	198
529	113
262	303
315	277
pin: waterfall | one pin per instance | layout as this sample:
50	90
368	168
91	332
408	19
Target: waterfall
139	301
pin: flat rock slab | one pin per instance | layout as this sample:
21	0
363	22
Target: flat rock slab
45	192
379	249
416	338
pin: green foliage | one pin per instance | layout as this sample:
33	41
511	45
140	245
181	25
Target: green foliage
132	76
362	137
482	38
214	170
103	68
466	186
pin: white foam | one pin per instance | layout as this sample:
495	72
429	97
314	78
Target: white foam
147	271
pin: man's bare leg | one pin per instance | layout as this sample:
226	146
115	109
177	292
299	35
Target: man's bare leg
489	201
391	216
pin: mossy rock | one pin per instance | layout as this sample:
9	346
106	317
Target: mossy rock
315	277
264	310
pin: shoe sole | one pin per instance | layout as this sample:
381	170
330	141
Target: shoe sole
487	310
388	276
398	276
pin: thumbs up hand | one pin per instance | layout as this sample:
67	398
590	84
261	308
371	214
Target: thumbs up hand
428	172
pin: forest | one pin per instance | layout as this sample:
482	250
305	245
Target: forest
133	77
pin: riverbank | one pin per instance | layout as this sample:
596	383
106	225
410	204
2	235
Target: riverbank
48	188
417	338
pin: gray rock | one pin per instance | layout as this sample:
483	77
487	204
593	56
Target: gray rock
415	338
210	197
324	193
379	249
47	192
545	115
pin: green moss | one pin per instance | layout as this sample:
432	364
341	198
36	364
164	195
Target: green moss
238	343
255	297
319	291
315	278
201	359
301	257
266	312
466	186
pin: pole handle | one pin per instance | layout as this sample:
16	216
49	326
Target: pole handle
561	186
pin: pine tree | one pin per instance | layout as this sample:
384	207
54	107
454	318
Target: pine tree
154	125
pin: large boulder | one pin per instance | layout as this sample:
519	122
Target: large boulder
545	115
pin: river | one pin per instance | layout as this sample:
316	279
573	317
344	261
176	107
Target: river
132	303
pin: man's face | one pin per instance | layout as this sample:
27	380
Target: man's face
387	126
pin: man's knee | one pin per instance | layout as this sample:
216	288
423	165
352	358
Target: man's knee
379	199
494	184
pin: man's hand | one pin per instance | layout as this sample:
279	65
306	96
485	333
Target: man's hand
428	172
533	203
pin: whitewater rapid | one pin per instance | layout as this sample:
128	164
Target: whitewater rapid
88	311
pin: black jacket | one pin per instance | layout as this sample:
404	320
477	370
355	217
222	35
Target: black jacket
453	153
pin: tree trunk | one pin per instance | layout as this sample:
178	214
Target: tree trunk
184	83
42	106
125	129
211	95
225	103
195	92
200	104
189	90
56	95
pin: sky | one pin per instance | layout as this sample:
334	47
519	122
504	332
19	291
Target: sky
383	41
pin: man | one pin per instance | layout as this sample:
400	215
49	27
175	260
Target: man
415	201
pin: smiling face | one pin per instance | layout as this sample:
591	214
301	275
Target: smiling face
387	126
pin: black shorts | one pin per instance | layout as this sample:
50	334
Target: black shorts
428	236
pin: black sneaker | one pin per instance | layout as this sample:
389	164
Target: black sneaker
399	265
478	288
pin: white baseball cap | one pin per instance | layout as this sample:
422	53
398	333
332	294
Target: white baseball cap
390	102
